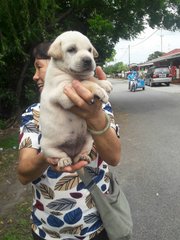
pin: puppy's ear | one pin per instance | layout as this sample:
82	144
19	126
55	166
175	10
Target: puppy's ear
55	50
95	53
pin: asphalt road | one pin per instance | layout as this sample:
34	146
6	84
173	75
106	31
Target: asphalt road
150	167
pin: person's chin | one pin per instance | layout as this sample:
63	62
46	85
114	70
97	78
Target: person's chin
40	89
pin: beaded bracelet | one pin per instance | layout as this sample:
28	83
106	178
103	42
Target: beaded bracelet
100	132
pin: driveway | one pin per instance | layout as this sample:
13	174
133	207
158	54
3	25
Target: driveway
150	168
173	88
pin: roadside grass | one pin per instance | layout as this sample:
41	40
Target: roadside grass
8	163
9	141
15	223
8	153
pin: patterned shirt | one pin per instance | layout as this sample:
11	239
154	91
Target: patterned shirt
62	207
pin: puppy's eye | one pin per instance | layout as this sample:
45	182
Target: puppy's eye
71	50
90	49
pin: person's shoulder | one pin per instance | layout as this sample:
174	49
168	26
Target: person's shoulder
34	106
31	113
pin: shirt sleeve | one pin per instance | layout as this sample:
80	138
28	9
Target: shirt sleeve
29	136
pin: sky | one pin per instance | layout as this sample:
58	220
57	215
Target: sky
149	41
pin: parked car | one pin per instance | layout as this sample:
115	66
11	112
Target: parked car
158	75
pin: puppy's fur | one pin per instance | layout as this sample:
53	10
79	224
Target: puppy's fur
64	135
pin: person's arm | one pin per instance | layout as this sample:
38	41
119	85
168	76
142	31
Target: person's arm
107	144
31	165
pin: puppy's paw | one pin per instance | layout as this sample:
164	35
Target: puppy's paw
82	157
85	157
101	94
65	161
106	85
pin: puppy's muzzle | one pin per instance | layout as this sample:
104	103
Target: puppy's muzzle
87	62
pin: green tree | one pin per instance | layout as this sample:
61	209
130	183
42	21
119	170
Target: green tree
24	23
155	55
115	68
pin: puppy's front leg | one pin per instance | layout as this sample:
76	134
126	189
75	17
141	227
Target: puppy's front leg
59	97
105	84
96	90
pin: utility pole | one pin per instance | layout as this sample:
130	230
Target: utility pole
129	55
161	41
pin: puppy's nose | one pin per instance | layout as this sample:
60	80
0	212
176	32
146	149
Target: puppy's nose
87	61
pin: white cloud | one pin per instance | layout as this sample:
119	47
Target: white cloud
148	42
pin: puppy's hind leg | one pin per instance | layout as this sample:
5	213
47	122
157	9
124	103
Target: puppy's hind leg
64	159
83	155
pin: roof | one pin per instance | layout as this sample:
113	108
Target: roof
145	64
170	55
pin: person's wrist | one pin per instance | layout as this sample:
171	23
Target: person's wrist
98	123
103	130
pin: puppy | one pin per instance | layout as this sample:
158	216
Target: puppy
65	135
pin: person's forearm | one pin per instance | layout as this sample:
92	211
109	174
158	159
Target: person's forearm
31	165
109	147
107	144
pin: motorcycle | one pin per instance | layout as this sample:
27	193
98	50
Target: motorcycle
135	82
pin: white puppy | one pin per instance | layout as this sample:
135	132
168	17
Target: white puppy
65	135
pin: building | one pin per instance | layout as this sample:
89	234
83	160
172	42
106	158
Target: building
170	59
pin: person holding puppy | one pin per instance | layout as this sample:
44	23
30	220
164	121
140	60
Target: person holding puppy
62	206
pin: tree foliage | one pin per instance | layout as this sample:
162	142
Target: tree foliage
116	68
24	23
154	55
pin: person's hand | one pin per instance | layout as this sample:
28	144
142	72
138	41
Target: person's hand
82	97
100	74
53	162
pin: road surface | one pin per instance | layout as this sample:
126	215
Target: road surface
150	167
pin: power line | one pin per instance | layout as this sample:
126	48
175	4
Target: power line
132	46
145	39
123	53
129	47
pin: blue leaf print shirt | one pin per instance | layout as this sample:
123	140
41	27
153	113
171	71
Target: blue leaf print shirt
62	207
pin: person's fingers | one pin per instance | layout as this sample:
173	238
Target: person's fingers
100	74
82	91
74	167
72	94
78	94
